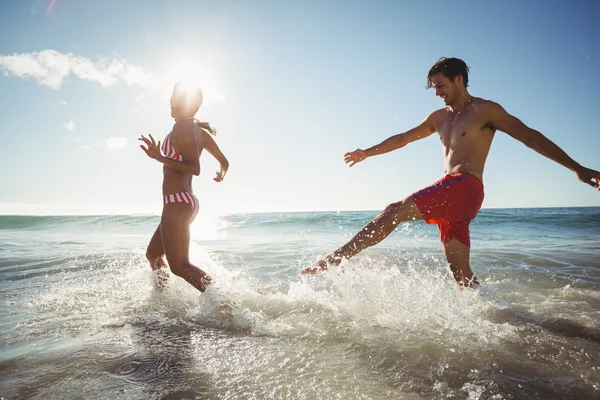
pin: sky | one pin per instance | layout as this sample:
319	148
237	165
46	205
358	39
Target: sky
290	87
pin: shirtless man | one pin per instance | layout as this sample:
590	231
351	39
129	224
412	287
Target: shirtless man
466	126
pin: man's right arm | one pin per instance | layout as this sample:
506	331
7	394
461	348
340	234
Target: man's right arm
425	129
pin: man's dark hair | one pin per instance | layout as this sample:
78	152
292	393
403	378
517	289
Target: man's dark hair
450	68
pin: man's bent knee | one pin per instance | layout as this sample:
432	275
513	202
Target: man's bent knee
403	210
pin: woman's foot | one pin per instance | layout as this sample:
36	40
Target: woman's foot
204	282
161	278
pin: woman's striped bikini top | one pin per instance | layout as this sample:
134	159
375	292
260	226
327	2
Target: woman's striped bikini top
169	151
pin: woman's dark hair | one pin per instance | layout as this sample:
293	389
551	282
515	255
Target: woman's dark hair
450	68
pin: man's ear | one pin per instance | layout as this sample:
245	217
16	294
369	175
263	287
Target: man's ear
458	79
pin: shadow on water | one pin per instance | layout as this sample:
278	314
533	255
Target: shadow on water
162	363
483	375
544	362
568	328
558	326
143	359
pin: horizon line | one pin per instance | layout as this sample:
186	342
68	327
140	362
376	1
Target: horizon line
149	214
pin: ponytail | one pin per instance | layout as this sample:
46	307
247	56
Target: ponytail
207	126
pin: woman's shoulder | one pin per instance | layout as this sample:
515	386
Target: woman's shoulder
183	124
182	128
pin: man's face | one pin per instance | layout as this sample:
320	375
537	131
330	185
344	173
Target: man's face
444	89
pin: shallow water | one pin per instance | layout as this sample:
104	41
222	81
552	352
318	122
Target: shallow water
80	317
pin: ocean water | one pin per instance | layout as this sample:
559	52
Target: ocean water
80	318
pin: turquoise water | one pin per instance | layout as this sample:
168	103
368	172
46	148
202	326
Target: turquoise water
80	317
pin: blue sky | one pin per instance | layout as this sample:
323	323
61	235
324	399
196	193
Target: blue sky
290	86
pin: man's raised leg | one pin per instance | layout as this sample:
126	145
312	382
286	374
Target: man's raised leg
373	233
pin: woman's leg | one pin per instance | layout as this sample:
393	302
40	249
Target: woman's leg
175	234
155	255
155	251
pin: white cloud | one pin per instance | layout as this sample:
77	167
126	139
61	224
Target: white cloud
70	125
64	103
88	147
50	68
114	144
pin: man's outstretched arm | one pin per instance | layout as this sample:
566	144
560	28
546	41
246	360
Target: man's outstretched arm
533	139
426	128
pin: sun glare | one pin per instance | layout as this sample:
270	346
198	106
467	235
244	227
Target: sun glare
193	71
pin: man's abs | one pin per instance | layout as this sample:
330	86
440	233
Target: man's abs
466	139
474	164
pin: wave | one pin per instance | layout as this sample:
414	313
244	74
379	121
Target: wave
284	219
575	217
551	218
37	221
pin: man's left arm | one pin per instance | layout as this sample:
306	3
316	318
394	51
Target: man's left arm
505	122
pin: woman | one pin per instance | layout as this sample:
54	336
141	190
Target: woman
180	155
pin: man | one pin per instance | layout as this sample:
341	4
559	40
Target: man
466	126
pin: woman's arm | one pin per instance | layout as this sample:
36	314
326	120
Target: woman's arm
212	147
184	142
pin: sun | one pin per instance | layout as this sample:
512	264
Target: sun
194	71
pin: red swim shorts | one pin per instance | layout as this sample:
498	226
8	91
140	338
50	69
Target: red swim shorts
451	203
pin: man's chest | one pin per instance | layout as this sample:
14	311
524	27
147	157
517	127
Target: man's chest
457	128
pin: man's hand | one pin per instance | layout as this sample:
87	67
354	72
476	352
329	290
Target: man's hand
153	149
589	176
355	157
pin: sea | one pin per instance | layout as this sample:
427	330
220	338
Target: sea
81	318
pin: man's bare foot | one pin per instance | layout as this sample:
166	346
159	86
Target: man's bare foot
468	283
322	265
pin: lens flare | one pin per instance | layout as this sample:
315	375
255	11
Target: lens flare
50	7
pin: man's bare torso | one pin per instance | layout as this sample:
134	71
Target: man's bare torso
466	137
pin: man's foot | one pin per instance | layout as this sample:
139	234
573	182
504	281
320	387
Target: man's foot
322	265
472	283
